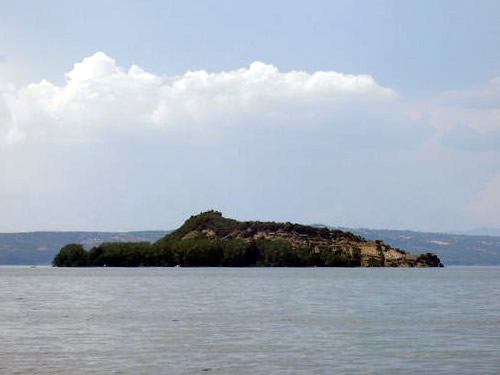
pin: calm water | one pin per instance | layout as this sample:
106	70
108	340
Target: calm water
249	321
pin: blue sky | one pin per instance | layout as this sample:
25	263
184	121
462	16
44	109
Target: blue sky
122	115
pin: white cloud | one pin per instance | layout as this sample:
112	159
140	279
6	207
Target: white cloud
261	91
99	97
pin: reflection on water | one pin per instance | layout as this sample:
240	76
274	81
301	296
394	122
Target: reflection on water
249	321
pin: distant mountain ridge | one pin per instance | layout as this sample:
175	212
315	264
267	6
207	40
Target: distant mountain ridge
495	232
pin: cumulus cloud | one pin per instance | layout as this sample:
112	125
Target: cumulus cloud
264	91
100	97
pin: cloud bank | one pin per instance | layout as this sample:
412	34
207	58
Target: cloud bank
99	97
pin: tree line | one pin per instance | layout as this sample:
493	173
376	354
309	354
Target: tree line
171	252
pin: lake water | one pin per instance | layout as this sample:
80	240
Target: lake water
249	321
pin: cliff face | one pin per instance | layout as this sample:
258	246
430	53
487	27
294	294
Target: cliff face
212	225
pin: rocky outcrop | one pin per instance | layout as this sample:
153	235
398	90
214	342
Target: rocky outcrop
365	253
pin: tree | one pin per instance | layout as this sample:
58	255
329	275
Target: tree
72	255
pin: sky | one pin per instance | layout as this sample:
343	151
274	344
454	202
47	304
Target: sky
134	115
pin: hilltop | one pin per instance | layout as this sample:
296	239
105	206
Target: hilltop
321	241
209	239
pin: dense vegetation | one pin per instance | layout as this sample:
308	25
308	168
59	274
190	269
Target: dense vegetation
170	252
210	240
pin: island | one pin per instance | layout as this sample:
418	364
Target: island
211	240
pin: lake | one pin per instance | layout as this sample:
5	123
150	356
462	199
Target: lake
249	321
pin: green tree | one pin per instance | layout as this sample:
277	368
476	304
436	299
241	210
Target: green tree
72	255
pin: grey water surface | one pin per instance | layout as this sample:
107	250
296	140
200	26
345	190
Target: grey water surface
249	321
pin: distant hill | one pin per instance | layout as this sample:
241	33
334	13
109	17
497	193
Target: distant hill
41	247
479	232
